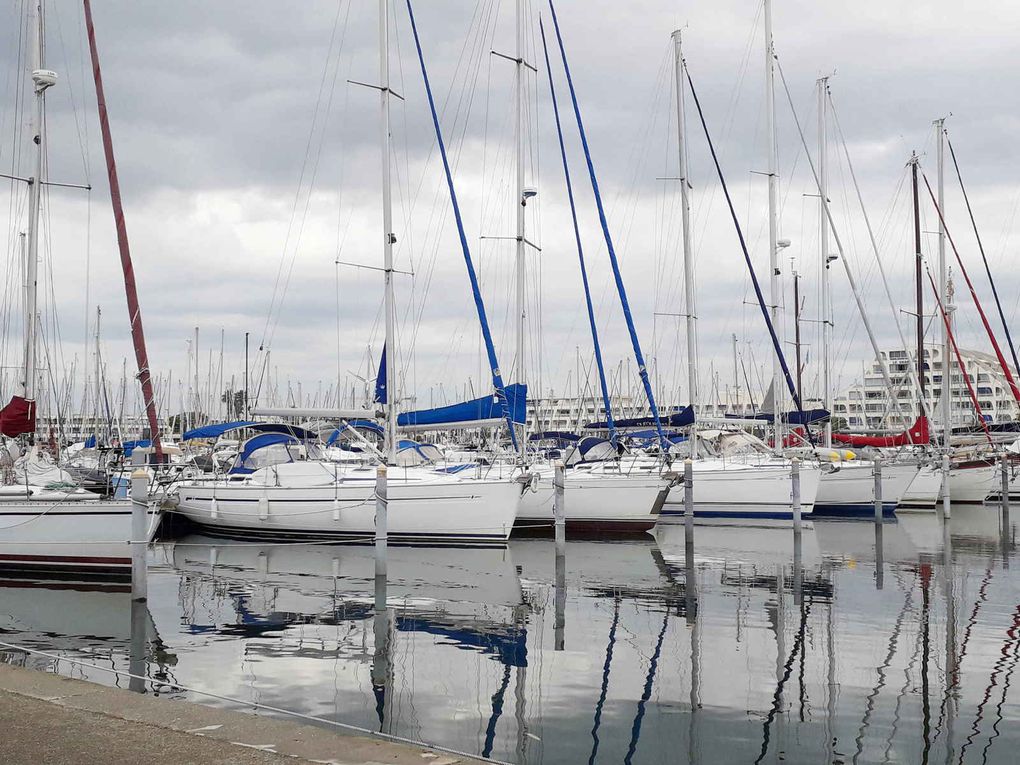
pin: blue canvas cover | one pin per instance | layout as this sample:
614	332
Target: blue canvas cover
484	408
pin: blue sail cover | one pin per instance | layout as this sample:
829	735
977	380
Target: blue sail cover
216	430
805	417
467	412
380	379
680	419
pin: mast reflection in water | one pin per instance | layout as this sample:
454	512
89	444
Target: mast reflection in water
848	643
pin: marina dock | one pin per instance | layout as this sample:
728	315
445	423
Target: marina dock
54	719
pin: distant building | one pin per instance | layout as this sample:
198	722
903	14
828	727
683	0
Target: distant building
868	405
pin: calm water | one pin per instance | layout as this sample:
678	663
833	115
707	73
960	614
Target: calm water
896	644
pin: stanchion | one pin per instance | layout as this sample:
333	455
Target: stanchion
139	533
878	489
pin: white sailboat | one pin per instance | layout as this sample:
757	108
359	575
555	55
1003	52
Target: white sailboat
42	530
287	489
734	475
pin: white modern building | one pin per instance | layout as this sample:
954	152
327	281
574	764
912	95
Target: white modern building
868	405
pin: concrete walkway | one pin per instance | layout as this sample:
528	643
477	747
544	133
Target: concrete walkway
57	720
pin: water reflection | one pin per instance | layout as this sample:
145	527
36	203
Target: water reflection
847	642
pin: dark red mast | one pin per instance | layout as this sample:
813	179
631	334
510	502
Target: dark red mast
134	311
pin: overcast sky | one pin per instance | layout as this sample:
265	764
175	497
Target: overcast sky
250	166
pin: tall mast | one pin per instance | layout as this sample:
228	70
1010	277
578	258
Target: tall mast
796	332
521	201
41	80
775	296
947	415
688	250
918	274
390	443
823	253
130	288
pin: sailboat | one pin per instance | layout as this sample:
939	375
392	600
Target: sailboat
735	475
282	486
604	490
43	531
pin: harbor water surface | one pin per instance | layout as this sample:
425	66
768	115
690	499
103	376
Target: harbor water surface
856	642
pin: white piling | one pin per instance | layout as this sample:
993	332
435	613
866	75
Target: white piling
795	494
945	486
559	503
139	533
689	496
878	489
381	521
1004	476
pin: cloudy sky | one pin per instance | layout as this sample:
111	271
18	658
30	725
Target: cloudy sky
250	166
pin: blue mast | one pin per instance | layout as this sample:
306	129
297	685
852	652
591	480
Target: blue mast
580	250
638	356
497	377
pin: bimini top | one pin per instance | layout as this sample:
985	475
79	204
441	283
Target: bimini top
370	425
248	460
218	429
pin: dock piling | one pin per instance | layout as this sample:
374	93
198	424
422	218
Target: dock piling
139	533
381	523
878	489
559	503
689	496
945	486
795	494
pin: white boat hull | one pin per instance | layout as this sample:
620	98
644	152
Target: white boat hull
922	495
471	511
971	482
849	490
595	500
91	537
746	491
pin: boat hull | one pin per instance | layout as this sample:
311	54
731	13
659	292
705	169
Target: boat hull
923	493
447	512
72	538
746	492
594	501
849	491
971	482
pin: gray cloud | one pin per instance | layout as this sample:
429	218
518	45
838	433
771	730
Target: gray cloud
212	107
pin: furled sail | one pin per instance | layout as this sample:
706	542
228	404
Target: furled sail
479	412
918	433
17	417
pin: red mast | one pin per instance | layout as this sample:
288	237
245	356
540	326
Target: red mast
134	311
